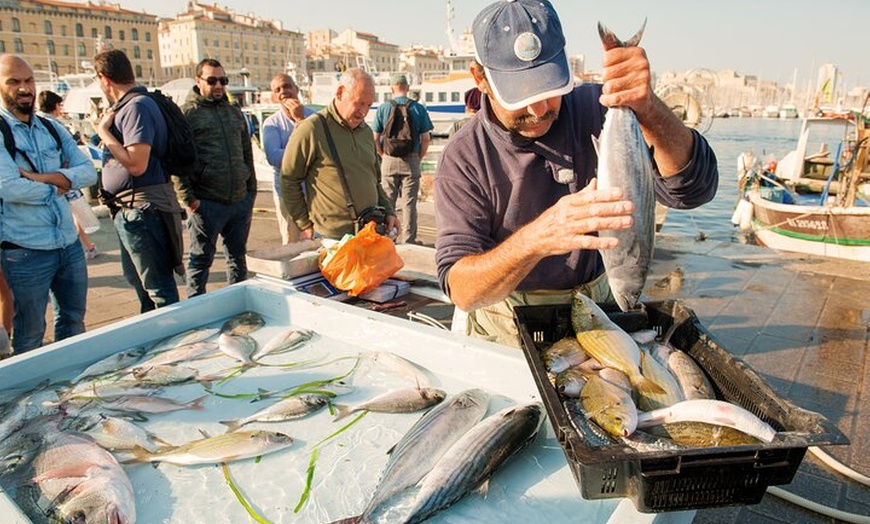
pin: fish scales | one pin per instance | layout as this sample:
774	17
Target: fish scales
624	161
475	457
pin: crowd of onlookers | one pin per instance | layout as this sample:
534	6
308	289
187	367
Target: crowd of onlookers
330	172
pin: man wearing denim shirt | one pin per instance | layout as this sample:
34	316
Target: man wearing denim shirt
41	254
276	133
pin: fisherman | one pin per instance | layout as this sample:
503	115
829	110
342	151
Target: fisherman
517	206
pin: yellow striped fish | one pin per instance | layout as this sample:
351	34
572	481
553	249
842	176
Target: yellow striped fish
606	342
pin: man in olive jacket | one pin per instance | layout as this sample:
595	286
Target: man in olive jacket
219	193
322	207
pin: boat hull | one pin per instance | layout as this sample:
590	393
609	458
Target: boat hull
816	230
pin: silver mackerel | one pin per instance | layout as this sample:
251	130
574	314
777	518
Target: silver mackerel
624	161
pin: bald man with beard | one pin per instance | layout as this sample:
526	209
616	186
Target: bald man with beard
41	252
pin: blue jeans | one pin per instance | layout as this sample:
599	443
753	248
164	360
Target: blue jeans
146	257
230	221
34	275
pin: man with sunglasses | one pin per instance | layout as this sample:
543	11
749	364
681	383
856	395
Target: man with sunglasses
517	207
219	193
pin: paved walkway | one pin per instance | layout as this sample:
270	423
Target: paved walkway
800	322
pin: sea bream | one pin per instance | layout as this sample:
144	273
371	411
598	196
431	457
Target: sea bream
624	161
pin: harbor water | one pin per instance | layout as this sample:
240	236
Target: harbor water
767	138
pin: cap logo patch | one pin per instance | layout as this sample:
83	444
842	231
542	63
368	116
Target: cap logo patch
527	47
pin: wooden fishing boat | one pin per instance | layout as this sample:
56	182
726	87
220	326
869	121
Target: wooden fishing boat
784	211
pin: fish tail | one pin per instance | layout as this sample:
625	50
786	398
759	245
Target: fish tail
231	425
645	385
347	520
611	41
341	411
140	454
197	403
161	443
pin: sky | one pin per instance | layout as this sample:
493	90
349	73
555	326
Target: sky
769	39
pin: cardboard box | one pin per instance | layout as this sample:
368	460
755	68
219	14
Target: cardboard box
286	262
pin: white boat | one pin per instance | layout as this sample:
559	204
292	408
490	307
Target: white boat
795	208
788	111
444	98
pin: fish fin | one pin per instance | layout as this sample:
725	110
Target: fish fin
484	488
231	425
203	432
645	385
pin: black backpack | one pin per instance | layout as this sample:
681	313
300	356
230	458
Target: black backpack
180	157
9	138
399	134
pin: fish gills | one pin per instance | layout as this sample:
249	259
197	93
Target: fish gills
624	161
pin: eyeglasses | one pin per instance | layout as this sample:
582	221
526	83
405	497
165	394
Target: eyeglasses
212	80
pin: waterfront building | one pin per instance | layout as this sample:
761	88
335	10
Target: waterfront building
251	49
60	38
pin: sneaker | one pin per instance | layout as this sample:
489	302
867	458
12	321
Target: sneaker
91	253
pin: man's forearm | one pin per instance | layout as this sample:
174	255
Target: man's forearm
480	280
672	142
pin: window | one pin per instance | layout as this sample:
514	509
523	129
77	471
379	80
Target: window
138	71
19	46
80	49
47	27
80	30
93	32
134	34
147	36
53	67
107	31
149	54
120	34
217	43
136	52
50	45
66	50
16	26
62	30
2	46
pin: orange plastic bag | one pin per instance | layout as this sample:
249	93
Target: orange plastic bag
362	263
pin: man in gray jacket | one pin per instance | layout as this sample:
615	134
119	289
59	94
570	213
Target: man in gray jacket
219	193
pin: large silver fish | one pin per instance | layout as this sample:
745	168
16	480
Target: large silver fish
425	443
406	400
474	458
624	161
287	409
228	447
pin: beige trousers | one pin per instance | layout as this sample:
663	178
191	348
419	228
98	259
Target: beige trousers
495	323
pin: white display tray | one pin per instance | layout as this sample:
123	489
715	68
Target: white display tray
536	486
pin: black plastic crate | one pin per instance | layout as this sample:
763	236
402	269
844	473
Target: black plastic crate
691	478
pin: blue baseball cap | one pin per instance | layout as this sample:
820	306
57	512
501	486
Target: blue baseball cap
521	47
